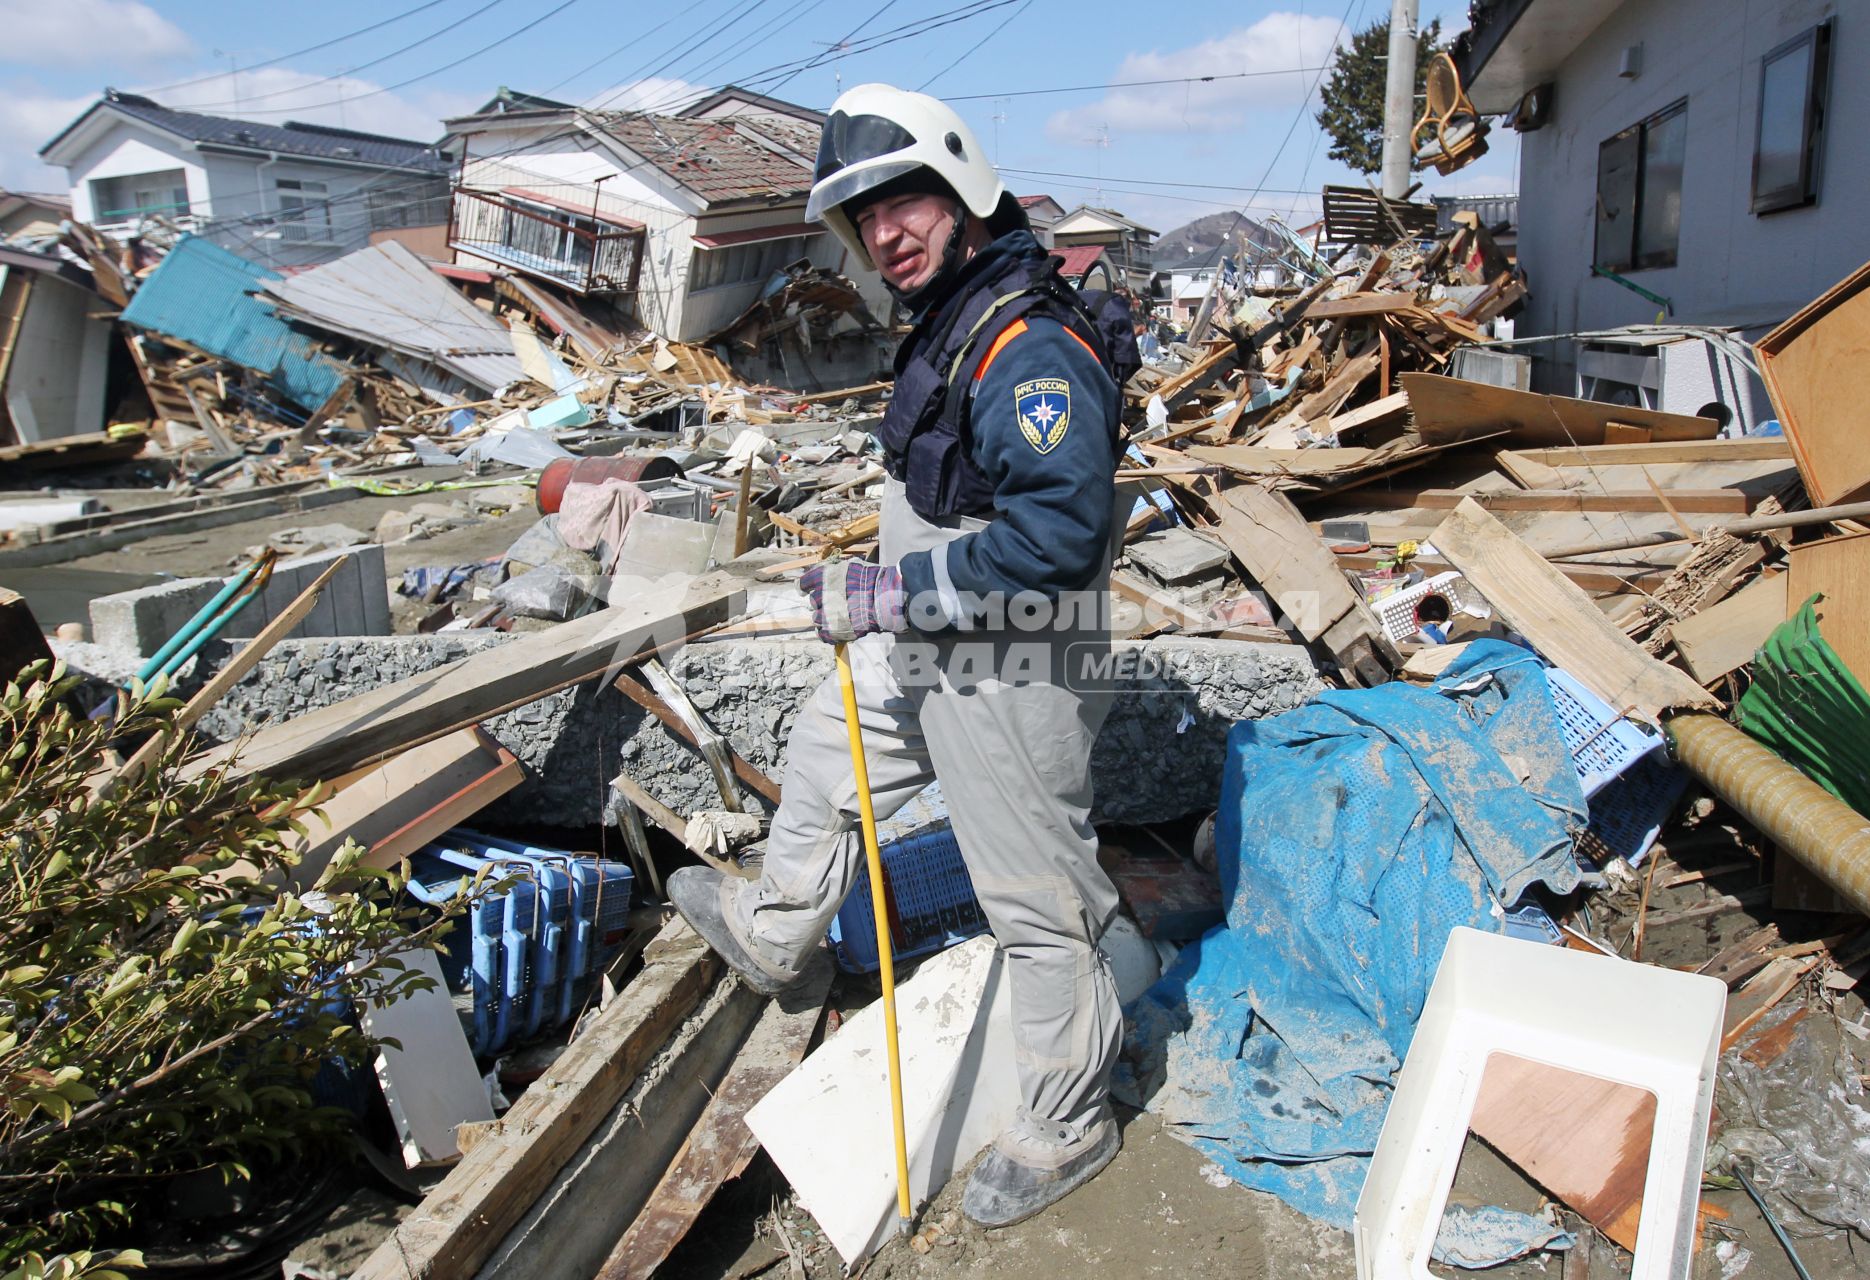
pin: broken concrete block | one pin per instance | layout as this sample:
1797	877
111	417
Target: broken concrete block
656	545
1176	554
134	624
355	603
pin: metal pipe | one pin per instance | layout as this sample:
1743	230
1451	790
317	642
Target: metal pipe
1753	524
1828	836
1399	101
158	659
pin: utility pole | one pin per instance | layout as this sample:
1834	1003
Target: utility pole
1399	99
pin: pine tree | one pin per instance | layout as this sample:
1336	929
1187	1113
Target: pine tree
1353	97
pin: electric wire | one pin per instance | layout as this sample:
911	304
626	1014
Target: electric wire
974	48
336	76
299	53
1128	84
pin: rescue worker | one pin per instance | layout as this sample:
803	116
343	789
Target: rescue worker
981	639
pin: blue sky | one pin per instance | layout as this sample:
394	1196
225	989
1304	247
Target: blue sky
1233	142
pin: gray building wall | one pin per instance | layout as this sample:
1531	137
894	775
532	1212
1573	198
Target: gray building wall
1732	266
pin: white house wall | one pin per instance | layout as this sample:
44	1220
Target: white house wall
1732	266
124	150
55	379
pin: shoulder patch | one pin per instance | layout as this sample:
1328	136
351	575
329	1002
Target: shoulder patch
1044	409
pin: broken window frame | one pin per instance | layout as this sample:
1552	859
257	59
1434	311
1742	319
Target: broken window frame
741	264
1630	252
1812	49
114	191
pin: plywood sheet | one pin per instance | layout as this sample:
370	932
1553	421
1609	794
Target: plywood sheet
1817	370
1839	569
1584	1139
1448	410
1724	636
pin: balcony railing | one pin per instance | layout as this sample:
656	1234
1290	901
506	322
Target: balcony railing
581	253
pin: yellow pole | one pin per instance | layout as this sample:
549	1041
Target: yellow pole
861	772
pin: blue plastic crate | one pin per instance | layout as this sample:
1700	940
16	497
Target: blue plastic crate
587	913
1627	816
1603	744
471	959
932	902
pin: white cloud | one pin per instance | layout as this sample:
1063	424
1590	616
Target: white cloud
1279	43
274	95
663	95
87	33
28	120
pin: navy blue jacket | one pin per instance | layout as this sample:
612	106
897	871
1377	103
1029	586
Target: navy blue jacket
1043	425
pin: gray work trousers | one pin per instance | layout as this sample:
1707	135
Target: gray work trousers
990	715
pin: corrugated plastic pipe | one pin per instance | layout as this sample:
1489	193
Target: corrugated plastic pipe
1791	810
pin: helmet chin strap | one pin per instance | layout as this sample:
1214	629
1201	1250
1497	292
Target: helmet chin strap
923	296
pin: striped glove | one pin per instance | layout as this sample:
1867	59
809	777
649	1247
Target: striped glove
852	598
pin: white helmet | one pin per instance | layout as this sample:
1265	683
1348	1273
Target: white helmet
877	133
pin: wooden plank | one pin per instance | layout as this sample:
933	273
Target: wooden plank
1252	460
1765	989
721	1146
1376	413
1269	537
1559	619
1839	569
232	672
1814	369
1361	304
1724	636
465	1217
339	737
1588	577
1709	501
1530	474
646	698
1448	409
1763	449
1584	1139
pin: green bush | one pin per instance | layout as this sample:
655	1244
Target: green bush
161	1010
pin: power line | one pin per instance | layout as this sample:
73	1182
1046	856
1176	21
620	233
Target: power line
851	35
240	102
549	14
974	49
1129	84
299	53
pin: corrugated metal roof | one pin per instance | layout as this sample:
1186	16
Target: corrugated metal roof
388	296
203	295
1077	259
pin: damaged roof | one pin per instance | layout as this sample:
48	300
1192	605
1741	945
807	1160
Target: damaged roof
294	138
711	158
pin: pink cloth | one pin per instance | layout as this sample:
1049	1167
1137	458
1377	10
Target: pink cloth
592	517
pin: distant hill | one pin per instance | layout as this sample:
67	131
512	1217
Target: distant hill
1203	234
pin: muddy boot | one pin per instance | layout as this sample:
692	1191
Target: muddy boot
1034	1164
697	893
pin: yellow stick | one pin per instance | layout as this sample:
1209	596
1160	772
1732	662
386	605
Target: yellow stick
860	770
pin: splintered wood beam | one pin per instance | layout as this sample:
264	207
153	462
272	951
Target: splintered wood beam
720	1146
337	738
463	1220
1698	501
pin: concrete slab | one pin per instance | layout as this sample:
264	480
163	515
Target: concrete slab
135	624
1176	554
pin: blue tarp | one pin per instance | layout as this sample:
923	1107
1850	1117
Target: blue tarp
1354	833
203	295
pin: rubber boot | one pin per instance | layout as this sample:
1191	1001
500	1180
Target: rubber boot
696	893
1034	1164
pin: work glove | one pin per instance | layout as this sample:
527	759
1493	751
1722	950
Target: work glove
851	598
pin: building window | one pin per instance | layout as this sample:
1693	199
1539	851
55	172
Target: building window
139	195
742	263
1789	134
304	212
1639	192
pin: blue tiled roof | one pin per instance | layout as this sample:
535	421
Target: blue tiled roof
313	141
204	295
